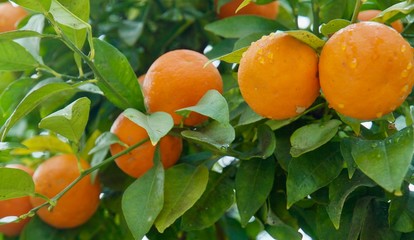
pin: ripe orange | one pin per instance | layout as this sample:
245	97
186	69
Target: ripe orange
15	207
269	10
78	204
366	70
179	79
141	79
278	76
10	16
367	15
140	160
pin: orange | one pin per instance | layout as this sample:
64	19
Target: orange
367	15
141	79
269	10
10	16
77	205
366	70
15	207
140	160
179	79
278	76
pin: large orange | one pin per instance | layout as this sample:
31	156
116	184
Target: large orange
278	76
366	70
179	79
269	10
140	160
367	15
15	207
10	16
78	204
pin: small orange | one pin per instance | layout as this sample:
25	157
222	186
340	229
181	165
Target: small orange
278	76
366	70
270	10
77	205
15	207
367	15
140	160
179	79
10	16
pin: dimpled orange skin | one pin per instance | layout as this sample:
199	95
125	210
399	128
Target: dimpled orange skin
15	207
366	70
140	160
77	205
179	79
10	16
367	15
270	10
278	76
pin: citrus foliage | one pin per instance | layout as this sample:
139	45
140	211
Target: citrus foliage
71	69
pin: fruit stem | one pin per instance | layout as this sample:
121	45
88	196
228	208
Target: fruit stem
358	4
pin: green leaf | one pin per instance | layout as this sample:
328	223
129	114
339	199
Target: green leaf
143	199
15	183
327	29
283	231
215	201
13	94
308	38
14	57
385	161
117	78
32	44
69	122
240	26
312	171
254	181
401	213
64	17
340	189
403	7
312	136
346	149
157	124
376	224
42	6
355	124
358	217
44	143
184	185
248	116
330	10
73	17
39	93
263	148
233	57
212	105
218	135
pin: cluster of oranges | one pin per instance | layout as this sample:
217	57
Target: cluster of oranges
364	71
176	80
73	209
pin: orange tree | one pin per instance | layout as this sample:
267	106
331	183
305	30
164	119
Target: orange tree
338	166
